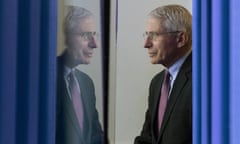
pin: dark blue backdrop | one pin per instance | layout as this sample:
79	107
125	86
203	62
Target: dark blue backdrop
27	71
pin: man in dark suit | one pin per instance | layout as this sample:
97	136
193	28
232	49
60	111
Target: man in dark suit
77	118
168	38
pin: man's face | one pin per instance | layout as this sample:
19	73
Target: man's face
83	41
162	46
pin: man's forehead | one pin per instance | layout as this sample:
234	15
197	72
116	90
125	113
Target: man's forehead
154	24
87	24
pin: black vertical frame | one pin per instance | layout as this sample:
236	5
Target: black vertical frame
105	27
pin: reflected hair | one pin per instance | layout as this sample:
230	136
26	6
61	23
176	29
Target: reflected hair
174	18
73	18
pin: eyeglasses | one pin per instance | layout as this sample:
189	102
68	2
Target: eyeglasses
87	36
155	35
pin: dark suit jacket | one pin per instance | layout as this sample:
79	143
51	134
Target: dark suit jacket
67	127
177	123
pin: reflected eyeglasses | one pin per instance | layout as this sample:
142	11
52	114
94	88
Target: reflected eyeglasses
87	36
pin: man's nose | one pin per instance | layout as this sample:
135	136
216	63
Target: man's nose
92	43
148	43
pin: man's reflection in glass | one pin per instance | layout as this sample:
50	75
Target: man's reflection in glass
77	118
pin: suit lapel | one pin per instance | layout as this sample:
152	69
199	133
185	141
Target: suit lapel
180	82
84	97
157	93
176	92
68	110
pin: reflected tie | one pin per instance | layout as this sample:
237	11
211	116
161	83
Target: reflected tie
76	98
164	98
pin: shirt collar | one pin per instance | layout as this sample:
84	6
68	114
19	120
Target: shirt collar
68	70
174	69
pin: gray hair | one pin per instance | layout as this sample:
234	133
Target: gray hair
73	18
174	18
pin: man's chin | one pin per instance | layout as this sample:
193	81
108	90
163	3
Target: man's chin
86	62
153	61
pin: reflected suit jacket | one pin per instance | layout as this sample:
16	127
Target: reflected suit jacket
67	127
177	122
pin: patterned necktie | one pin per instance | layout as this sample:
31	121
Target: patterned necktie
76	98
164	98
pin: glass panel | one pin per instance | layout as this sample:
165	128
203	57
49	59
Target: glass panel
80	55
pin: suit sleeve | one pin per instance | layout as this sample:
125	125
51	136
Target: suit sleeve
145	136
97	133
146	133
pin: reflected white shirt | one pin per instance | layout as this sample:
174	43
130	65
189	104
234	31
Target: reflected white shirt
67	71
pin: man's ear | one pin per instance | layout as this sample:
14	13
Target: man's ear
182	39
